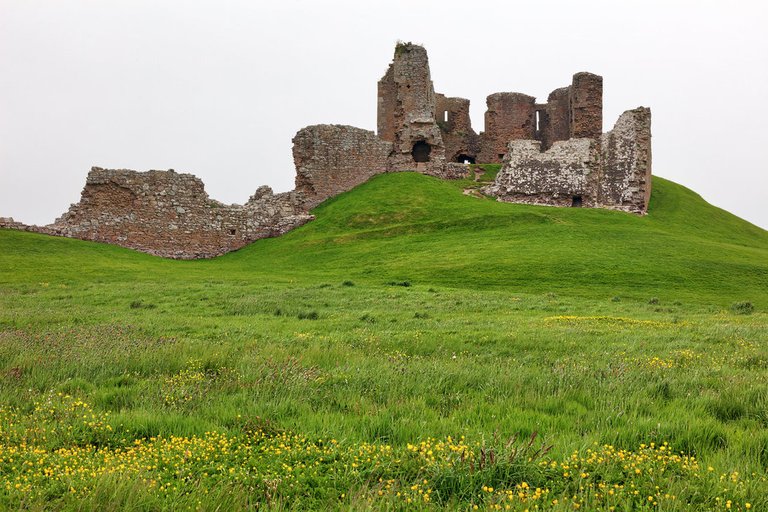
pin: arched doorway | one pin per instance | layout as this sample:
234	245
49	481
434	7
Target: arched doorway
421	151
465	159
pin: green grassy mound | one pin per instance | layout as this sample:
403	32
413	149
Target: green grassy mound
408	227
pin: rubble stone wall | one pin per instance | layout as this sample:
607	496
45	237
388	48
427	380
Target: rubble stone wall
566	171
414	111
169	214
613	172
625	183
510	116
555	123
586	99
331	159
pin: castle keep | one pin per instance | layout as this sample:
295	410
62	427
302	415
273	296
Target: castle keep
552	153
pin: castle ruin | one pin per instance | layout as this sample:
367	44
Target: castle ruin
552	153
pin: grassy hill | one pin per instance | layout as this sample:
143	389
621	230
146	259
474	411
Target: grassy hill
412	348
408	227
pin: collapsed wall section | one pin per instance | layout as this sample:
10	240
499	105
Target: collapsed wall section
331	159
564	175
625	183
169	214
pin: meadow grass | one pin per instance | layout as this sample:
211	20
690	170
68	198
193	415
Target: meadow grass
539	358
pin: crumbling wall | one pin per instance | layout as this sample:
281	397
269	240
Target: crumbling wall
564	175
386	106
586	99
331	159
406	114
510	116
554	123
460	140
613	172
169	214
625	183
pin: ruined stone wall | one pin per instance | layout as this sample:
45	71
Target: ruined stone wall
331	159
625	183
553	154
459	138
169	214
565	173
510	116
555	122
386	106
586	99
411	112
612	172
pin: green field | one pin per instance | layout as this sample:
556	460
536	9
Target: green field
411	348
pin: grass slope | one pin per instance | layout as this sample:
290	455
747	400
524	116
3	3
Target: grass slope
408	227
290	375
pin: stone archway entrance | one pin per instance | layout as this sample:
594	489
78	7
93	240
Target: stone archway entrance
421	151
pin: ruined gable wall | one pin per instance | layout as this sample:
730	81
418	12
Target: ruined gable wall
554	177
457	133
625	183
169	214
510	116
331	159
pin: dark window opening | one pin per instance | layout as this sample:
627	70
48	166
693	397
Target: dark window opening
465	159
576	203
231	231
421	151
501	156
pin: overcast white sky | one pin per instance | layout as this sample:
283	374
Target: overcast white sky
219	88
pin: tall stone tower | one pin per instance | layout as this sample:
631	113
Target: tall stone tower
406	112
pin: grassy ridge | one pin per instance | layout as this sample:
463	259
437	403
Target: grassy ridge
218	384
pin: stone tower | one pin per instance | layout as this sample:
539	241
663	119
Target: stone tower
406	112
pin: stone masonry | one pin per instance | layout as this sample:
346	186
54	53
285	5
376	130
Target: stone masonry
331	159
553	154
169	214
611	172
